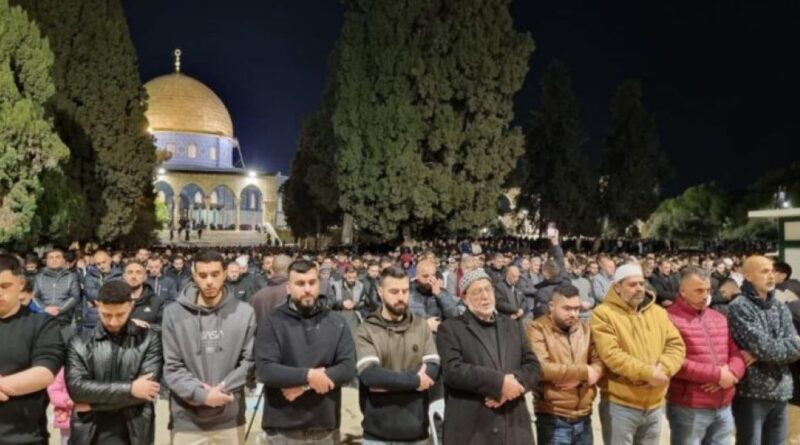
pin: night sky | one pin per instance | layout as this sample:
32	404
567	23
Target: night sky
721	77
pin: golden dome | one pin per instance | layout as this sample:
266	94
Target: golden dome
178	102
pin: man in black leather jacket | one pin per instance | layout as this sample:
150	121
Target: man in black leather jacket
112	375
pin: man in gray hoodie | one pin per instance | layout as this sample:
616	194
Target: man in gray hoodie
208	355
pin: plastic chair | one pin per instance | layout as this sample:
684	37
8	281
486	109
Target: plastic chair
436	408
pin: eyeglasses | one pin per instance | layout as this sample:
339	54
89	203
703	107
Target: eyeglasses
486	290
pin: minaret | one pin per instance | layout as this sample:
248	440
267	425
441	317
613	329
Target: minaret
177	60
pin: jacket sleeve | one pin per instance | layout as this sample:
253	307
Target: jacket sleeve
597	290
343	368
237	378
57	391
82	389
736	361
430	355
613	356
755	338
530	369
698	372
176	375
370	371
503	303
674	351
152	363
269	368
73	293
552	371
464	376
447	304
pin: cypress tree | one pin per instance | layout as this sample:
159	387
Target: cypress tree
99	114
635	166
423	113
559	180
29	145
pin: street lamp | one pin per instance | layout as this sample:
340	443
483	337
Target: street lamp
251	174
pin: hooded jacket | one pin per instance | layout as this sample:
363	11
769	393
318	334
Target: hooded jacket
91	286
709	346
149	307
390	354
165	287
209	346
629	341
60	288
287	346
764	328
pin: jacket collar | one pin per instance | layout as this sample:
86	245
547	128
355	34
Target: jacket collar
474	324
613	298
548	322
130	328
750	292
682	305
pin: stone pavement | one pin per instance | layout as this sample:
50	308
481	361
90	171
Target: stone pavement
351	422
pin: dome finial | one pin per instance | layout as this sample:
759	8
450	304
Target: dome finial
177	60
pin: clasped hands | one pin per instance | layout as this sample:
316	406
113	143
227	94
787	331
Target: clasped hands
512	389
317	380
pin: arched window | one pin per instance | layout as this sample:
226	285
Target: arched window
198	198
212	153
192	149
214	197
252	201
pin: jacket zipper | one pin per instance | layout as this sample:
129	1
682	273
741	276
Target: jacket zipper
713	353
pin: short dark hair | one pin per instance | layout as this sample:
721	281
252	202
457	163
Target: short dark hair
566	291
12	264
114	292
302	266
32	258
350	269
70	256
371	263
783	267
28	287
131	263
209	256
392	272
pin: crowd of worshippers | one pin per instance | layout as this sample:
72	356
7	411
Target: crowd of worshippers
707	342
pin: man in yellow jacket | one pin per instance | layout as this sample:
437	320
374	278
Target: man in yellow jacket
641	350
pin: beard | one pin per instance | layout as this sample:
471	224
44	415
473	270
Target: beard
424	288
305	305
565	323
397	309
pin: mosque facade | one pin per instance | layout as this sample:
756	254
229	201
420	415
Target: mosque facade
203	179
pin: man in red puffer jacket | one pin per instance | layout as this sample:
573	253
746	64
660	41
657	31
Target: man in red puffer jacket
700	394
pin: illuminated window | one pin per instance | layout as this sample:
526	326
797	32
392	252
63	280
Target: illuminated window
212	153
192	151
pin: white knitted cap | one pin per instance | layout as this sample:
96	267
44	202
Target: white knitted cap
627	270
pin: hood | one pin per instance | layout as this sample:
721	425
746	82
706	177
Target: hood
750	292
613	298
277	280
321	307
375	318
188	299
147	295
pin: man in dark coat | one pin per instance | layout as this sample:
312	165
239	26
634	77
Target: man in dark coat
488	367
665	283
